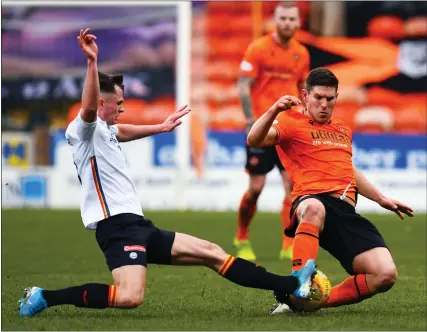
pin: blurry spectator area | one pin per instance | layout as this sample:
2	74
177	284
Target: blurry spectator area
377	50
385	18
43	68
42	41
382	68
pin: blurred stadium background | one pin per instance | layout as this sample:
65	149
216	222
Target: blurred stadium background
377	49
176	52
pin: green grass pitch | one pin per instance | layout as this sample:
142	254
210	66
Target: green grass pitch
51	249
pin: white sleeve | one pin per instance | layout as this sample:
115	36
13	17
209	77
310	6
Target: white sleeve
84	130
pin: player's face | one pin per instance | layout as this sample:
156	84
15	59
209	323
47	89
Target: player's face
287	21
320	102
112	106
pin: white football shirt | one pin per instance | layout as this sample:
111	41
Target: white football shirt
103	171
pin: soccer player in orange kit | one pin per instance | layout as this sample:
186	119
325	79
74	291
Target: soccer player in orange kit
273	65
316	148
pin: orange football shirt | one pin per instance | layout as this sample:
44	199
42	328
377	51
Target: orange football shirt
277	70
318	157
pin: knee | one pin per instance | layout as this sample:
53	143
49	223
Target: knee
255	187
312	211
130	300
254	192
386	279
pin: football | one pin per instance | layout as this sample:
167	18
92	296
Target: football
321	288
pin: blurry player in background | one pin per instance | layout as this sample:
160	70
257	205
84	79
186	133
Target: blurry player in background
110	205
317	149
274	65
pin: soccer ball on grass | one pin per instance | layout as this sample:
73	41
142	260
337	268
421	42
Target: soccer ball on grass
321	289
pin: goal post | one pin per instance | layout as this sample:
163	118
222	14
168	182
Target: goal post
183	97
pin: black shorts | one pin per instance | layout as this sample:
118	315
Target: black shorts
345	234
130	239
260	161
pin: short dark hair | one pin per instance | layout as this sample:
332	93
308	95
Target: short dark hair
287	4
321	77
107	82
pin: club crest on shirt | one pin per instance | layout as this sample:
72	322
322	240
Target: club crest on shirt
341	129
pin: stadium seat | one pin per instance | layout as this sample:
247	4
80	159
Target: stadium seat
158	110
220	92
346	111
198	93
223	70
198	46
226	118
410	121
134	112
386	97
386	27
352	94
198	24
374	119
240	7
416	27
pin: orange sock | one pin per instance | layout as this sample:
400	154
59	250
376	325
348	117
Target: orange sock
306	244
286	210
352	290
247	211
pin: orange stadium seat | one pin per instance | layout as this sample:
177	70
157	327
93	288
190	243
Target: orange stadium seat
416	100
226	118
410	121
346	111
416	27
223	70
134	110
229	6
380	96
227	48
386	27
73	111
158	110
374	119
221	92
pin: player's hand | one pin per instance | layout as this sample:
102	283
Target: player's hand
285	103
396	207
87	44
173	120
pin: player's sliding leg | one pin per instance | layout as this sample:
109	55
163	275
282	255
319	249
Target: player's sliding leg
247	210
286	251
127	292
311	216
189	250
376	273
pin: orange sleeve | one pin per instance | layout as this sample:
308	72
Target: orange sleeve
305	66
283	126
250	64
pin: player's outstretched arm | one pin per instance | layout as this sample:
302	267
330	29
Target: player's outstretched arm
128	132
369	191
91	92
261	133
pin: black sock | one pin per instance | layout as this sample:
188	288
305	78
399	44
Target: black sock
247	274
88	295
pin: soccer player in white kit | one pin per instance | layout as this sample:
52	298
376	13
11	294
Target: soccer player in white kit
111	207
